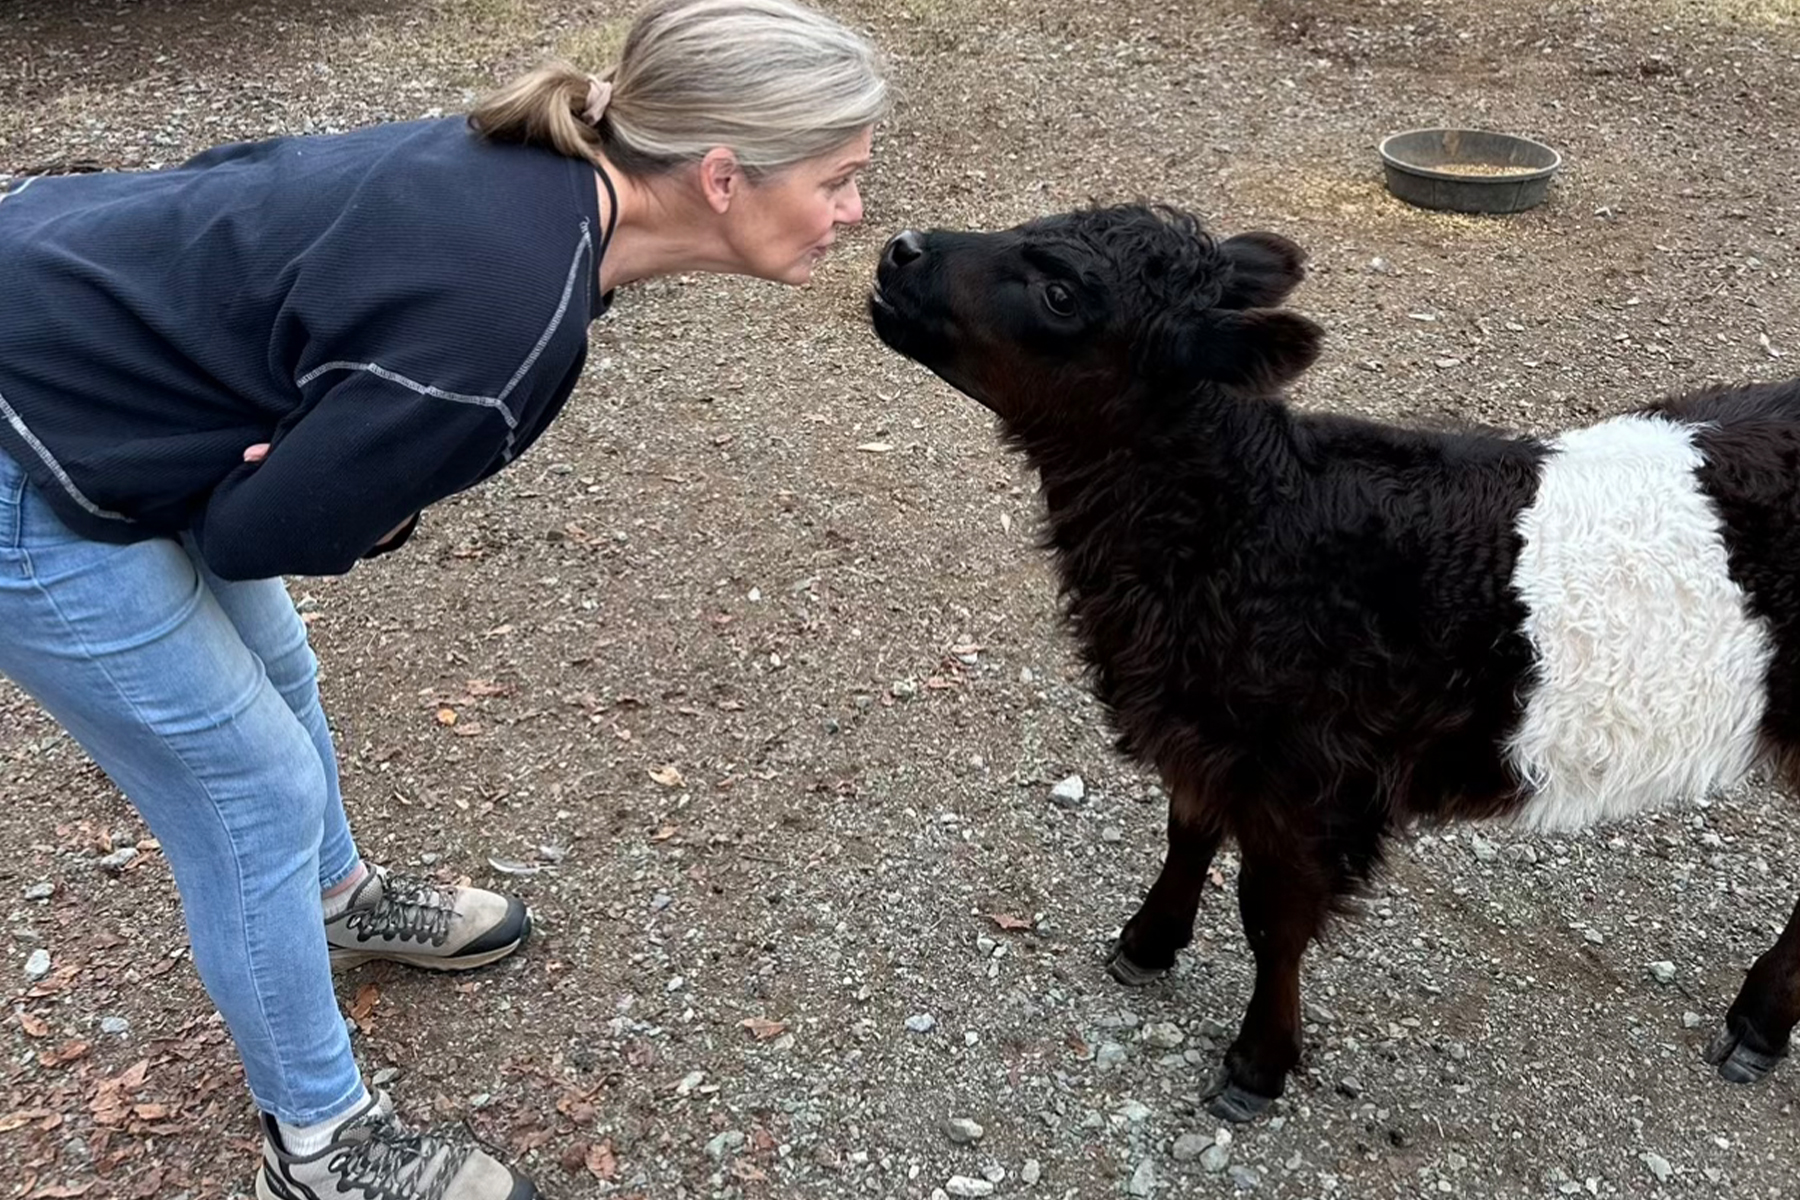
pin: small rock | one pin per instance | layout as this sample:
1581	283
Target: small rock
553	853
1691	1020
37	965
689	1082
1485	851
904	689
676	984
1594	935
1349	1087
921	1022
118	860
993	1172
1143	1180
661	901
1069	792
1164	1035
1190	1146
964	1187
40	891
1662	972
1457	1051
1215	1158
724	1144
1134	1112
386	1076
1246	1179
1658	1165
116	1026
1110	1054
962	1130
1031	1172
1112	833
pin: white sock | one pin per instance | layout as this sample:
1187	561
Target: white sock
304	1141
335	905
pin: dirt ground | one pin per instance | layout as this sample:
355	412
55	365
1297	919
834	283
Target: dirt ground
754	668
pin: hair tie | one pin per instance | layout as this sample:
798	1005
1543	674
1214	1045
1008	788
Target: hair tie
598	96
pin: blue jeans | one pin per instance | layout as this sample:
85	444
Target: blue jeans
199	699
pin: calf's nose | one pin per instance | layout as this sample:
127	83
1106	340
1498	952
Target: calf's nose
903	248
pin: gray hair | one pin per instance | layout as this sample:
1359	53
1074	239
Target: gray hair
775	82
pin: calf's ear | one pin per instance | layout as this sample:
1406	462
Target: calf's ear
1265	269
1255	350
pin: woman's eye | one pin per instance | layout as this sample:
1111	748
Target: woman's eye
1059	300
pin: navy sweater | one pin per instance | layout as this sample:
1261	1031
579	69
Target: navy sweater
399	311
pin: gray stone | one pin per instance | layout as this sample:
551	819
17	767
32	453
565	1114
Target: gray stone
116	1026
118	860
1070	792
1662	972
962	1130
964	1187
1190	1146
1031	1172
40	891
1215	1158
921	1022
37	965
726	1143
1658	1165
1143	1180
1164	1035
1246	1179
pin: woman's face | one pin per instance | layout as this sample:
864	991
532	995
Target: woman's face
781	226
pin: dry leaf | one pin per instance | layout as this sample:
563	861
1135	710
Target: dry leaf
668	776
664	834
875	447
1010	922
22	1118
762	1027
362	1009
33	1026
483	687
600	1161
446	716
68	1052
61	1192
151	1112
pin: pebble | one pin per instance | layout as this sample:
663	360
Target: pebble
921	1022
1190	1146
1658	1165
1246	1179
1143	1180
993	1172
963	1130
1069	792
1485	851
963	1186
40	891
1350	1087
661	901
37	965
1663	972
118	860
1691	1020
118	1026
1134	1112
1110	1054
725	1143
1215	1158
1112	833
689	1082
1595	936
1164	1035
676	984
386	1076
1031	1172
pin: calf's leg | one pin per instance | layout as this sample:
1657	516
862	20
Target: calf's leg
1164	923
1767	1007
1283	905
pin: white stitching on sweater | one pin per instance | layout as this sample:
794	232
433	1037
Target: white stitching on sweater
56	469
583	248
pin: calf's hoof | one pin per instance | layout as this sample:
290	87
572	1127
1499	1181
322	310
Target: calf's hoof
1121	968
1737	1060
1232	1101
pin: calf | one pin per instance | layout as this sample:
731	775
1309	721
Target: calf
1317	628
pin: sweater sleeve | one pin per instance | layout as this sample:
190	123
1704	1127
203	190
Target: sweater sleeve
369	455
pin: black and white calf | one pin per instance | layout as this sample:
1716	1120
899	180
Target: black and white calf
1317	628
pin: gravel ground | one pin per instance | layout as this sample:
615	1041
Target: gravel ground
755	675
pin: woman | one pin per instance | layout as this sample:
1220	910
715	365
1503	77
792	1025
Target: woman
267	361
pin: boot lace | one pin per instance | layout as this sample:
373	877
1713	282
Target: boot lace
388	1161
410	908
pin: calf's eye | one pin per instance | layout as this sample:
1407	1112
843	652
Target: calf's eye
1059	300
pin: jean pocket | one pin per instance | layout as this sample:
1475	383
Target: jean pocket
12	501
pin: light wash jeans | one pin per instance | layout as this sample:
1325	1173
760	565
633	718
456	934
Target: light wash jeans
199	699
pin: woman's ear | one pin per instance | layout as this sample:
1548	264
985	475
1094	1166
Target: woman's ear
721	178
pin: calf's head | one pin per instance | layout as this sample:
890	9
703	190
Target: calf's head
1096	322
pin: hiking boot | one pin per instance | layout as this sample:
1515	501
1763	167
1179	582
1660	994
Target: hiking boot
405	919
372	1156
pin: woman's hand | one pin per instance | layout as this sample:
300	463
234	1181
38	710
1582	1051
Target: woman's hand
256	453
